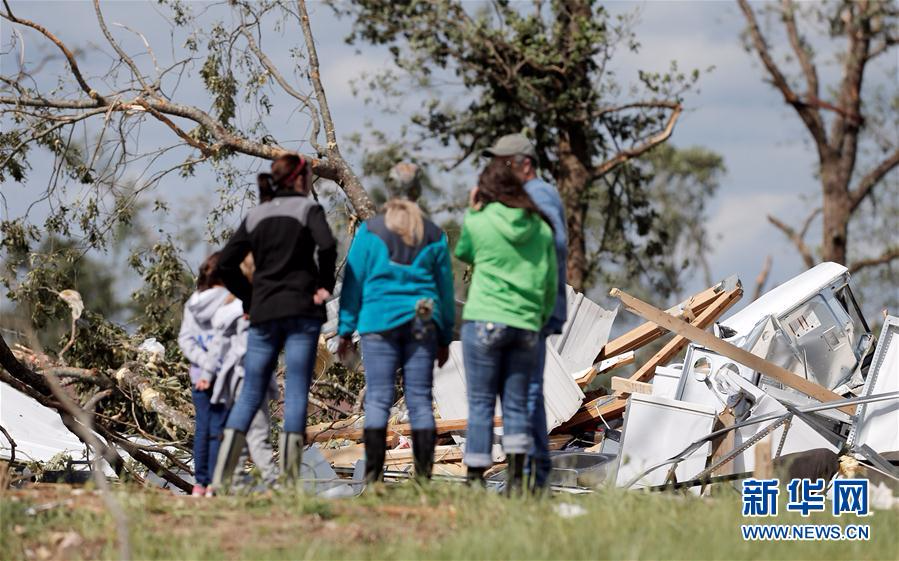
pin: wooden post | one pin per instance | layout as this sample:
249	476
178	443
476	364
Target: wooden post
764	469
642	335
725	443
626	385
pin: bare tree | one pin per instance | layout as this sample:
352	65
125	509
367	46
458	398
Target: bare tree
840	119
115	107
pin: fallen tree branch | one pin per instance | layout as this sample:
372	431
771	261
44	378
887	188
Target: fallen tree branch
152	400
37	387
83	429
12	444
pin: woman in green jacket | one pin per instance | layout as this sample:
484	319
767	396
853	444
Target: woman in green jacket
512	294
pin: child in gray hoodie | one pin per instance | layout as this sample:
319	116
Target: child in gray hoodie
229	342
194	338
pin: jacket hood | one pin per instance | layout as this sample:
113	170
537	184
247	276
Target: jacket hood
226	315
515	224
202	305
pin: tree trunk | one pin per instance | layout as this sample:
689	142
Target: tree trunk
574	170
574	180
837	210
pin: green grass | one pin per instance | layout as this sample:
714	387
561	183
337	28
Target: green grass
443	522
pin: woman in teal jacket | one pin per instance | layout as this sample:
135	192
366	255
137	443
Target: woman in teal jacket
398	294
512	294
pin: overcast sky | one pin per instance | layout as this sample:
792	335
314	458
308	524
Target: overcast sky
770	166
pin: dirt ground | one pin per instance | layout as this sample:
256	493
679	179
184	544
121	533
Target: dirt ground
178	518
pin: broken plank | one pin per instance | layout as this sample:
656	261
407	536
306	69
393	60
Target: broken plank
705	319
644	334
595	409
591	409
724	443
349	455
626	385
321	432
709	341
584	378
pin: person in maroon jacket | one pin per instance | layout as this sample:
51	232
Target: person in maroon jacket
285	303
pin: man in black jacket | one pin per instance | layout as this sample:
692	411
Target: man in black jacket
285	303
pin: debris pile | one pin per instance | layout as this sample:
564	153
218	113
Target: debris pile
795	380
794	377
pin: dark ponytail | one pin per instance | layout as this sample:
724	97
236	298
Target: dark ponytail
207	276
499	184
286	169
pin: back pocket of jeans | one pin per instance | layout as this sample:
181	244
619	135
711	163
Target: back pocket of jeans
423	330
489	333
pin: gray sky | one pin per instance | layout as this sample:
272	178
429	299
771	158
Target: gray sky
770	164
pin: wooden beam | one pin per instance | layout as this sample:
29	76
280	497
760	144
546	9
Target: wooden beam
591	411
648	332
348	455
626	385
703	321
764	468
613	410
724	443
607	365
323	432
724	348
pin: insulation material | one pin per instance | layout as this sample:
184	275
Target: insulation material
877	424
656	429
38	431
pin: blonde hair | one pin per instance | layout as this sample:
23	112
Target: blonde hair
405	219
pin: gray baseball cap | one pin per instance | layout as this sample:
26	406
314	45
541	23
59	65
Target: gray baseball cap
512	145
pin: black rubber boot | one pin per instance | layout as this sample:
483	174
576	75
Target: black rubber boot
290	451
375	449
514	474
233	442
475	477
423	442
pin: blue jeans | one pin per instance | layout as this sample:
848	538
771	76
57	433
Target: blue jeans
298	336
499	360
208	434
539	452
412	347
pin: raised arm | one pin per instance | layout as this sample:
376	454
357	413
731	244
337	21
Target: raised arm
444	275
327	247
230	259
353	281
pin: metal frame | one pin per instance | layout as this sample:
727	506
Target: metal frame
791	411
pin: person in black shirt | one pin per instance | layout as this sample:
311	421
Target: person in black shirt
285	303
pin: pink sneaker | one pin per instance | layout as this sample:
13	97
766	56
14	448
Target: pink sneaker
198	491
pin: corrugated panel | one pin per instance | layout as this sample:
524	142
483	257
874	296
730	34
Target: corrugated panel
561	394
585	332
